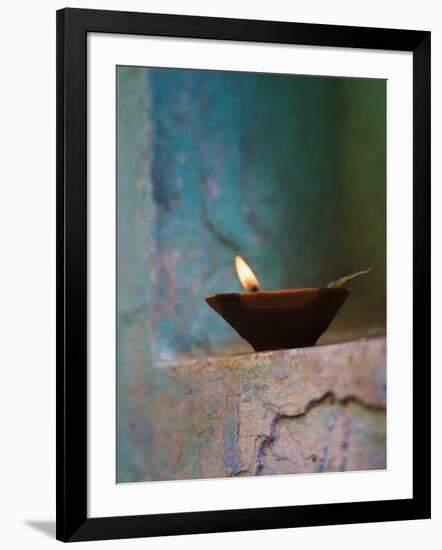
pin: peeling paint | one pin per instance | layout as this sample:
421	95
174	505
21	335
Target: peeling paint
234	417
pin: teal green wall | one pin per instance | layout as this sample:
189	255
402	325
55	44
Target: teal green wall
362	172
288	171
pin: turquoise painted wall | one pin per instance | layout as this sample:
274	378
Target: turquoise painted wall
288	171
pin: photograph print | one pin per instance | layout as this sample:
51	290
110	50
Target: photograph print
251	274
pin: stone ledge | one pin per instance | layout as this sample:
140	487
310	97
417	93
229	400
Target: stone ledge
289	411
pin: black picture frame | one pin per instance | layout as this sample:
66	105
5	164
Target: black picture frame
73	25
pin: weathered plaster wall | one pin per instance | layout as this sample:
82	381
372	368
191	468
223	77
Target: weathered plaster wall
317	409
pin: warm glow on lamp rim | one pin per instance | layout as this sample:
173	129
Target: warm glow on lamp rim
284	291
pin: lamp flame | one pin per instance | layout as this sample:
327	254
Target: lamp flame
245	275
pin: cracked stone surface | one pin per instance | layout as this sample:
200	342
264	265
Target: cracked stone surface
284	412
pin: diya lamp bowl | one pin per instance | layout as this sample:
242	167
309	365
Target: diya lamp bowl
278	319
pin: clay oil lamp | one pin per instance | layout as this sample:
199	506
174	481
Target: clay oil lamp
277	319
